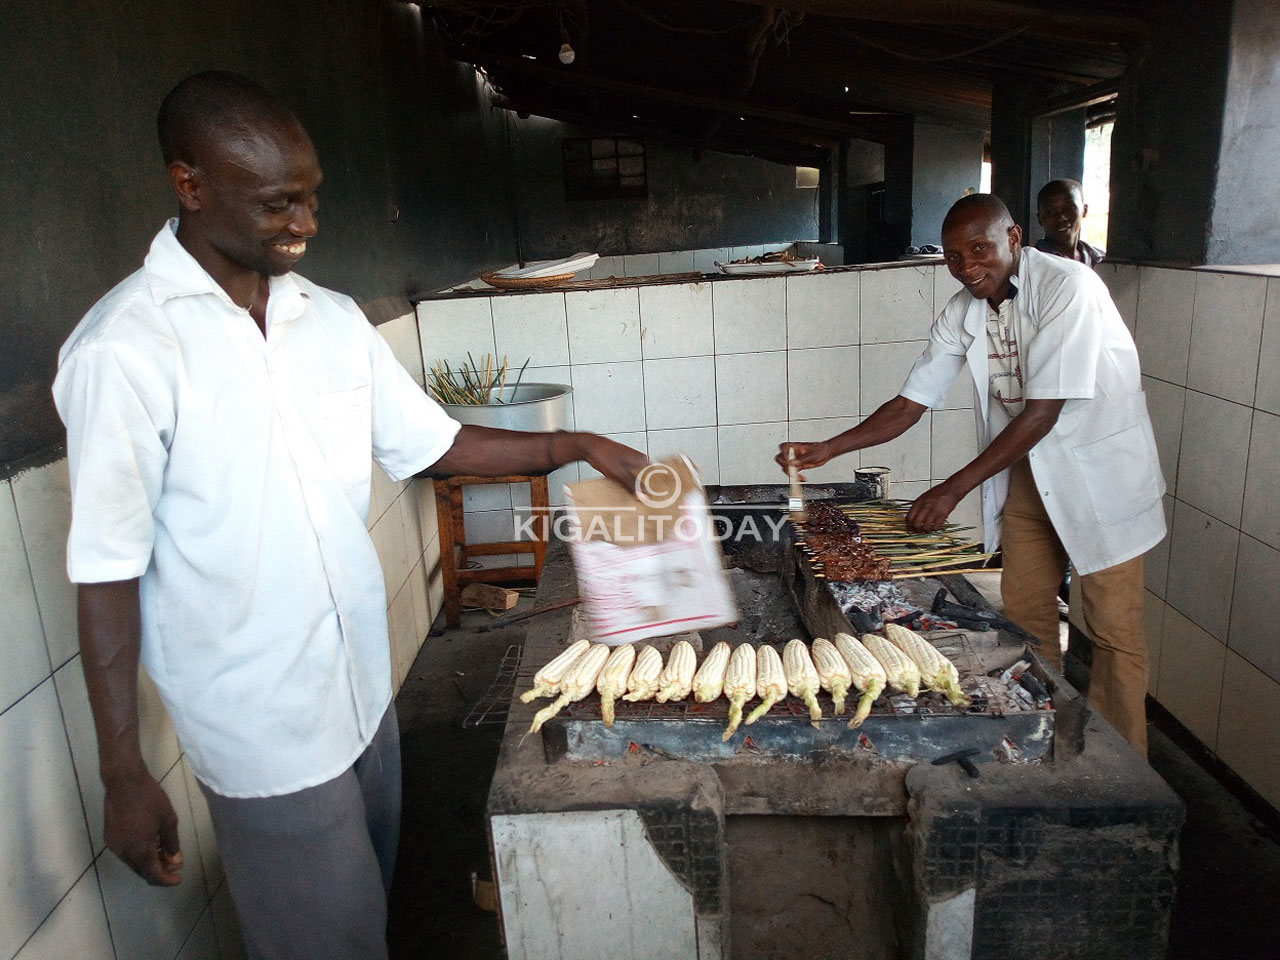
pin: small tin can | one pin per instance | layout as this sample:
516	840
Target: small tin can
877	477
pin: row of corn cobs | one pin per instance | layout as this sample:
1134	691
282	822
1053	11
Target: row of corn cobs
901	659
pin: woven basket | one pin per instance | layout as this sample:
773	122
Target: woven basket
523	283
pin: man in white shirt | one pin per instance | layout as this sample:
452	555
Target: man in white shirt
221	413
1067	460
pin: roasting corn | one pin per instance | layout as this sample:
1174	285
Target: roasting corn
577	683
867	673
833	671
739	684
771	682
643	682
677	676
901	670
546	682
612	682
936	671
802	677
708	682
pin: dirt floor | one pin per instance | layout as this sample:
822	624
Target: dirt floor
1228	905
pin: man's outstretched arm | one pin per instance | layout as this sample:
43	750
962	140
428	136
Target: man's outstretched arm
141	826
489	452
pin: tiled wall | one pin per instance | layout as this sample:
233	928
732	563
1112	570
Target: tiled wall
722	370
1210	348
62	895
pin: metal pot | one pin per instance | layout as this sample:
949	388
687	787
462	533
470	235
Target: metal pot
528	406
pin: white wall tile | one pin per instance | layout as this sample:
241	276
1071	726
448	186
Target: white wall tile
433	562
1191	670
160	748
604	325
1249	726
747	452
486	496
884	370
897	304
1165	404
1165	301
77	928
1155	565
531	326
704	260
43	498
699	444
152	923
822	383
1122	280
750	314
607	267
609	397
1153	609
425	490
680	392
945	286
1202	565
26	660
1261	516
968	513
227	924
450	329
751	387
907	457
641	264
675	320
382	494
823	309
421	608
203	942
954	441
556	480
676	261
1214	452
401	628
490	526
1225	331
44	847
206	842
637	440
401	335
1255	609
1268	393
838	470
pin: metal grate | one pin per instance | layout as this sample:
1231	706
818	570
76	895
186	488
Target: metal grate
495	704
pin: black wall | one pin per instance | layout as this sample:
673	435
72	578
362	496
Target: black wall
715	201
416	192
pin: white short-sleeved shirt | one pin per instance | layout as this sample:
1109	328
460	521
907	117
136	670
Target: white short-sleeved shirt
1097	469
230	471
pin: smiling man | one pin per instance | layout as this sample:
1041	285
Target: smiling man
1060	211
221	413
1067	460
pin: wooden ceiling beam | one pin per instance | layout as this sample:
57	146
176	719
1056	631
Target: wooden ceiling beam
1062	21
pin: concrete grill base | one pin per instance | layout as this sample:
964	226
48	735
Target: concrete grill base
756	856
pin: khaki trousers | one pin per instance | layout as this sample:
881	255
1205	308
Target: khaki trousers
1112	600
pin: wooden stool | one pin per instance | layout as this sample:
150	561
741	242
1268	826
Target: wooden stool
453	535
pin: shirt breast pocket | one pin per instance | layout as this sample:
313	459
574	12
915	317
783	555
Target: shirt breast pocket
1120	473
343	422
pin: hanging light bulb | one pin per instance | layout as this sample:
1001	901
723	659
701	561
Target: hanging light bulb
566	52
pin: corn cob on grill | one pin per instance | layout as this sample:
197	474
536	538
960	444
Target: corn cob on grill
739	684
936	671
802	677
578	682
867	673
677	676
643	682
901	670
546	682
612	682
771	682
708	682
833	671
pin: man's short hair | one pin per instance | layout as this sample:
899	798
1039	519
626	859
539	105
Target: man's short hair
206	105
987	205
1059	186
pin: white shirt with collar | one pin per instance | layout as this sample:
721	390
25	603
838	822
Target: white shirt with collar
1097	469
231	472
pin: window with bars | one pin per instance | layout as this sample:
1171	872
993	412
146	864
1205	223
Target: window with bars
604	168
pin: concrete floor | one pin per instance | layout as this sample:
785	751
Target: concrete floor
1228	905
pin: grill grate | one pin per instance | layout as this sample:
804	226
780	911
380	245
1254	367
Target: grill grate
495	704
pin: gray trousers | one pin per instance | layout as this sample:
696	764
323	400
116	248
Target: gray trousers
309	871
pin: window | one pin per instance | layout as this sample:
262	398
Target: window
604	168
